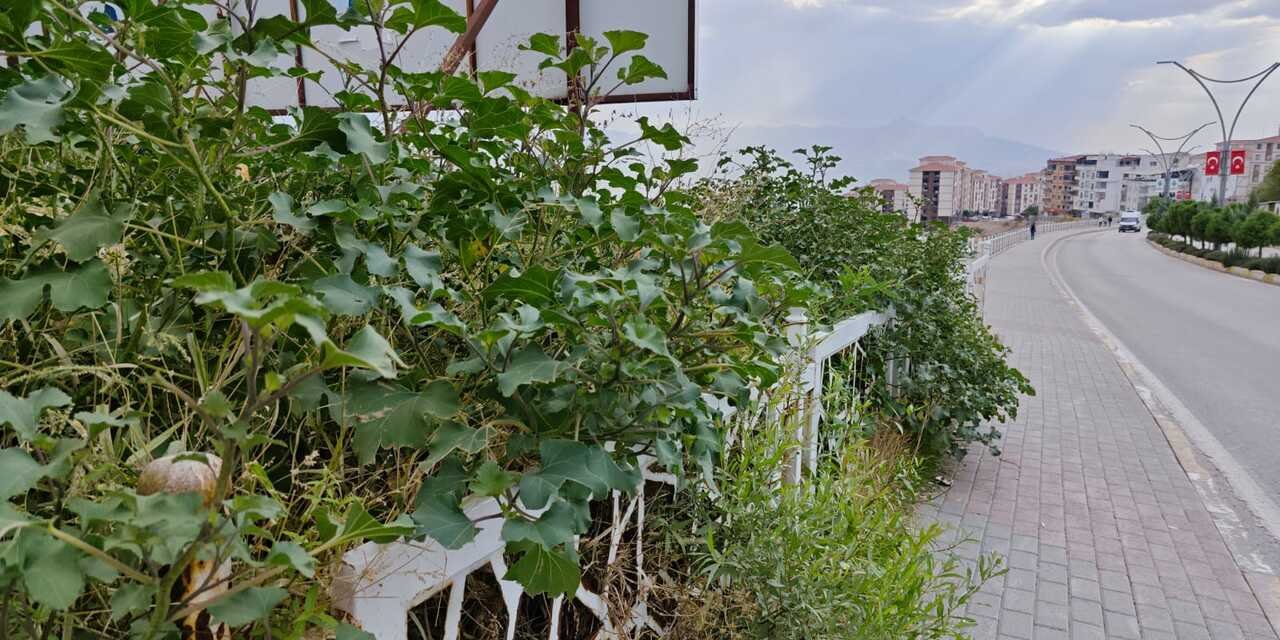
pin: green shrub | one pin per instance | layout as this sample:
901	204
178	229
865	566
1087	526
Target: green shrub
838	558
1269	265
959	382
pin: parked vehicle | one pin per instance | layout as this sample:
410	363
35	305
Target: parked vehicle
1130	221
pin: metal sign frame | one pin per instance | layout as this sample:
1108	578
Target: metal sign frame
477	14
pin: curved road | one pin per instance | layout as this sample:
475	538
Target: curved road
1212	339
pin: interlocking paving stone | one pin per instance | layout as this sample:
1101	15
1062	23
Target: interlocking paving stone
1105	535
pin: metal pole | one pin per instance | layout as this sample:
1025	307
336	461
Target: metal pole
1227	133
1164	156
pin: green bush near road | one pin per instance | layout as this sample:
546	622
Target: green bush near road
1204	225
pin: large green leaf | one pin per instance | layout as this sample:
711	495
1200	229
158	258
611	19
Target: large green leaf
569	461
556	526
622	41
54	578
282	212
387	416
89	228
360	137
647	336
443	519
21	473
252	604
543	571
345	296
366	350
426	13
424	267
348	632
23	414
451	436
291	554
36	106
536	286
86	286
527	366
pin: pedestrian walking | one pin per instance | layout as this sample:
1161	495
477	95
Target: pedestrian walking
1033	229
1108	221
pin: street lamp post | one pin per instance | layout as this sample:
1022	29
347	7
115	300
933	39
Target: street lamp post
1225	159
1164	157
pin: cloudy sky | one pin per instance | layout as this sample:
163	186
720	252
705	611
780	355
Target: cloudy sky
1067	75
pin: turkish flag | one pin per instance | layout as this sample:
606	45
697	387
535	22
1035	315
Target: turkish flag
1238	157
1212	163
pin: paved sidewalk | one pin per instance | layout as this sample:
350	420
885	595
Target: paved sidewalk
1103	533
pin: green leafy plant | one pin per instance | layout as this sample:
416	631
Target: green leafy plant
374	316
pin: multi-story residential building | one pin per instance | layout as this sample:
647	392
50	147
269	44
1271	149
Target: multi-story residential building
1100	182
1260	155
897	197
1059	191
938	182
1022	193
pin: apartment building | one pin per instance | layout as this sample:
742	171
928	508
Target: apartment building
1021	193
938	182
896	196
1260	155
1100	182
1059	190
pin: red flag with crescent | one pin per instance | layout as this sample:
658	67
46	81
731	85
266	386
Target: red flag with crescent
1212	163
1238	157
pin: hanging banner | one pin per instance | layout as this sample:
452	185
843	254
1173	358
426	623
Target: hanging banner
1238	157
1212	163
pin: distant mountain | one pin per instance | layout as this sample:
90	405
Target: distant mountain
889	151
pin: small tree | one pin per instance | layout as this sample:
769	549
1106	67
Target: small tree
1178	220
1031	211
1200	224
1255	231
1219	229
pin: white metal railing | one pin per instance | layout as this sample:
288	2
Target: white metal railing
379	584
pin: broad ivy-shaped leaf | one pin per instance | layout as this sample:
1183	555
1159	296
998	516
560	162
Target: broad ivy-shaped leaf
375	257
666	136
639	69
360	137
569	461
261	303
527	366
491	480
348	632
542	571
426	13
53	578
556	526
451	436
23	414
536	286
437	509
622	41
89	228
87	286
250	605
424	267
291	554
345	296
36	106
367	350
282	212
647	336
627	228
21	473
357	525
388	416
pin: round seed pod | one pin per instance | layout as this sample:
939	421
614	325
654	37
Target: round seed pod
181	473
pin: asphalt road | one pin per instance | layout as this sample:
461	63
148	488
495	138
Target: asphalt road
1211	338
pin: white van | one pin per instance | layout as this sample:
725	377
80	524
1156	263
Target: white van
1130	221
